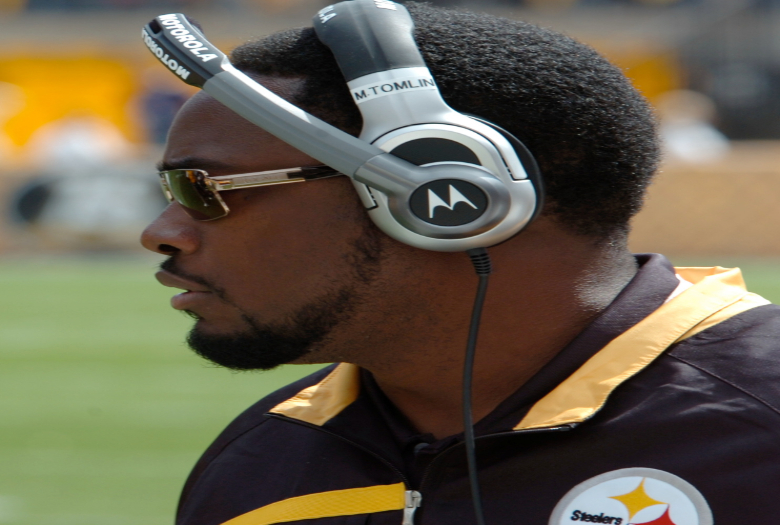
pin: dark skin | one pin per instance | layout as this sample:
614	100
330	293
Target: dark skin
282	245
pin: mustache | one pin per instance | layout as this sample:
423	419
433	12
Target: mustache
170	266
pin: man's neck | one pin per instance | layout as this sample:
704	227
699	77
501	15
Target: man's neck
536	305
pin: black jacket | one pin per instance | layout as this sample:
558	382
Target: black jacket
660	412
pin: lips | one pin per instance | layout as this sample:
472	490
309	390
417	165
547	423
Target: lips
174	281
193	294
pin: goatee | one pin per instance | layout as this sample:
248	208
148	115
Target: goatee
266	347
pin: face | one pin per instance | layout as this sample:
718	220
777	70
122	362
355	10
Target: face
291	263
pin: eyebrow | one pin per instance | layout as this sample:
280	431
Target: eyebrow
195	163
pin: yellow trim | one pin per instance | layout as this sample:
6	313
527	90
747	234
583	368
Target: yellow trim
717	294
725	276
346	502
748	302
321	402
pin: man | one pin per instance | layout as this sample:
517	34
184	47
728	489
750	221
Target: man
608	388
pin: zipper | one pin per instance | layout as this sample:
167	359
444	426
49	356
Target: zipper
413	500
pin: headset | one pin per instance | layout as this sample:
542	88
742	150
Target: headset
429	176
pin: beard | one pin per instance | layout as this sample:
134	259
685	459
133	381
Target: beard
267	346
264	347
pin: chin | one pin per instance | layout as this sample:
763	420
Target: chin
248	349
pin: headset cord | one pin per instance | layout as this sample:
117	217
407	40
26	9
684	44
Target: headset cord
481	261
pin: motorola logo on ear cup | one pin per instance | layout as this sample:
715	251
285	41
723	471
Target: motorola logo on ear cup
448	202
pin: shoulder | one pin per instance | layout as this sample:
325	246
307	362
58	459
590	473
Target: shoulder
742	352
248	420
253	416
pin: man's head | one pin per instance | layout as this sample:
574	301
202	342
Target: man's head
298	272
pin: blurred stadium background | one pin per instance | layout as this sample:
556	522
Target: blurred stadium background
102	408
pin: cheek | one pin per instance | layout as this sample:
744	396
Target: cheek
290	247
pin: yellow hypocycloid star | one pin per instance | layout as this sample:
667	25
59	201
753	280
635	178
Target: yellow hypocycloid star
637	500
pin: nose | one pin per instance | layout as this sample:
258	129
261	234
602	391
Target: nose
172	232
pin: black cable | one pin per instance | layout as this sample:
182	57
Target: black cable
481	261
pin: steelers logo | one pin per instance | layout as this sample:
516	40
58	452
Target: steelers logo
633	496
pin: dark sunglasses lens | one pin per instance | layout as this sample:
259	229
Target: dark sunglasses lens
189	188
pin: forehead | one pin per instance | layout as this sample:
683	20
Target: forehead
206	132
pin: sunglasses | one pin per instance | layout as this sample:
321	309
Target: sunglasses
198	193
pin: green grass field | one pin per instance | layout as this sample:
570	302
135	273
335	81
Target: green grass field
103	410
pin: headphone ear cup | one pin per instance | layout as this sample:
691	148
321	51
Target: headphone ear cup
527	160
483	159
